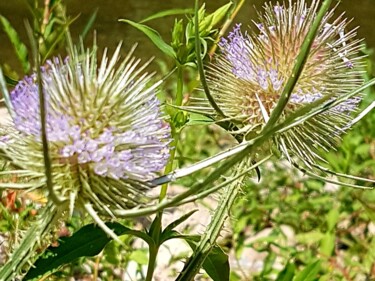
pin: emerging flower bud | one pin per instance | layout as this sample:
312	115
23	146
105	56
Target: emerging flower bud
249	76
105	130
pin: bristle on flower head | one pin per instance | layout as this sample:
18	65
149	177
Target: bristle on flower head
104	126
248	77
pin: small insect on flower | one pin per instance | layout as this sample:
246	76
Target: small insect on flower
106	133
249	75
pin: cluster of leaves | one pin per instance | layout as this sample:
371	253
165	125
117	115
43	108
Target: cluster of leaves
51	24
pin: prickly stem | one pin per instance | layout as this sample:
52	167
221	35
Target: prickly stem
25	250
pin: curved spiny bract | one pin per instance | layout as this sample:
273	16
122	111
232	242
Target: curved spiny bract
106	133
248	77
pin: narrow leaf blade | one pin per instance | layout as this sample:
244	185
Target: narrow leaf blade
19	47
86	242
287	273
310	273
89	23
171	12
154	37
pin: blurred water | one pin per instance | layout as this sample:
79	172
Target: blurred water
110	31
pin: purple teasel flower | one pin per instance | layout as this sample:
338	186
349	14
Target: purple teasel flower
106	133
249	75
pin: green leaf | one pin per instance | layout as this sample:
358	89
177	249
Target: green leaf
309	237
199	119
287	273
213	19
86	242
112	253
154	37
169	232
220	13
216	264
89	24
310	273
166	13
19	47
269	263
177	35
56	37
327	244
332	218
10	81
180	220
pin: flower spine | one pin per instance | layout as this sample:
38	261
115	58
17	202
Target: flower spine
106	133
248	77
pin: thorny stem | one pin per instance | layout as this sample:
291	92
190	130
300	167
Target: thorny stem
228	197
25	250
232	156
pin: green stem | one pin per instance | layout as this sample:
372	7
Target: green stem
175	133
153	250
157	226
212	232
180	85
43	118
34	235
169	166
198	53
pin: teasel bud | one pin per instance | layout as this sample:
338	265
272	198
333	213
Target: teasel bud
106	133
246	80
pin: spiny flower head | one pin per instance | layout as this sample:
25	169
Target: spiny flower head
249	76
104	127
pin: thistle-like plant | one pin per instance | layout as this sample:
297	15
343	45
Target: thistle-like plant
104	127
105	132
248	77
293	85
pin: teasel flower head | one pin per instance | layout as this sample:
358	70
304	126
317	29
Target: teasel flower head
247	78
106	133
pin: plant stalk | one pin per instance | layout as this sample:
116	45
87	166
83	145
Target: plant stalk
153	252
30	241
228	197
156	231
175	133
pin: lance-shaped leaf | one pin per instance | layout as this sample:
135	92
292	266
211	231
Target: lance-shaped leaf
87	242
154	37
19	46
